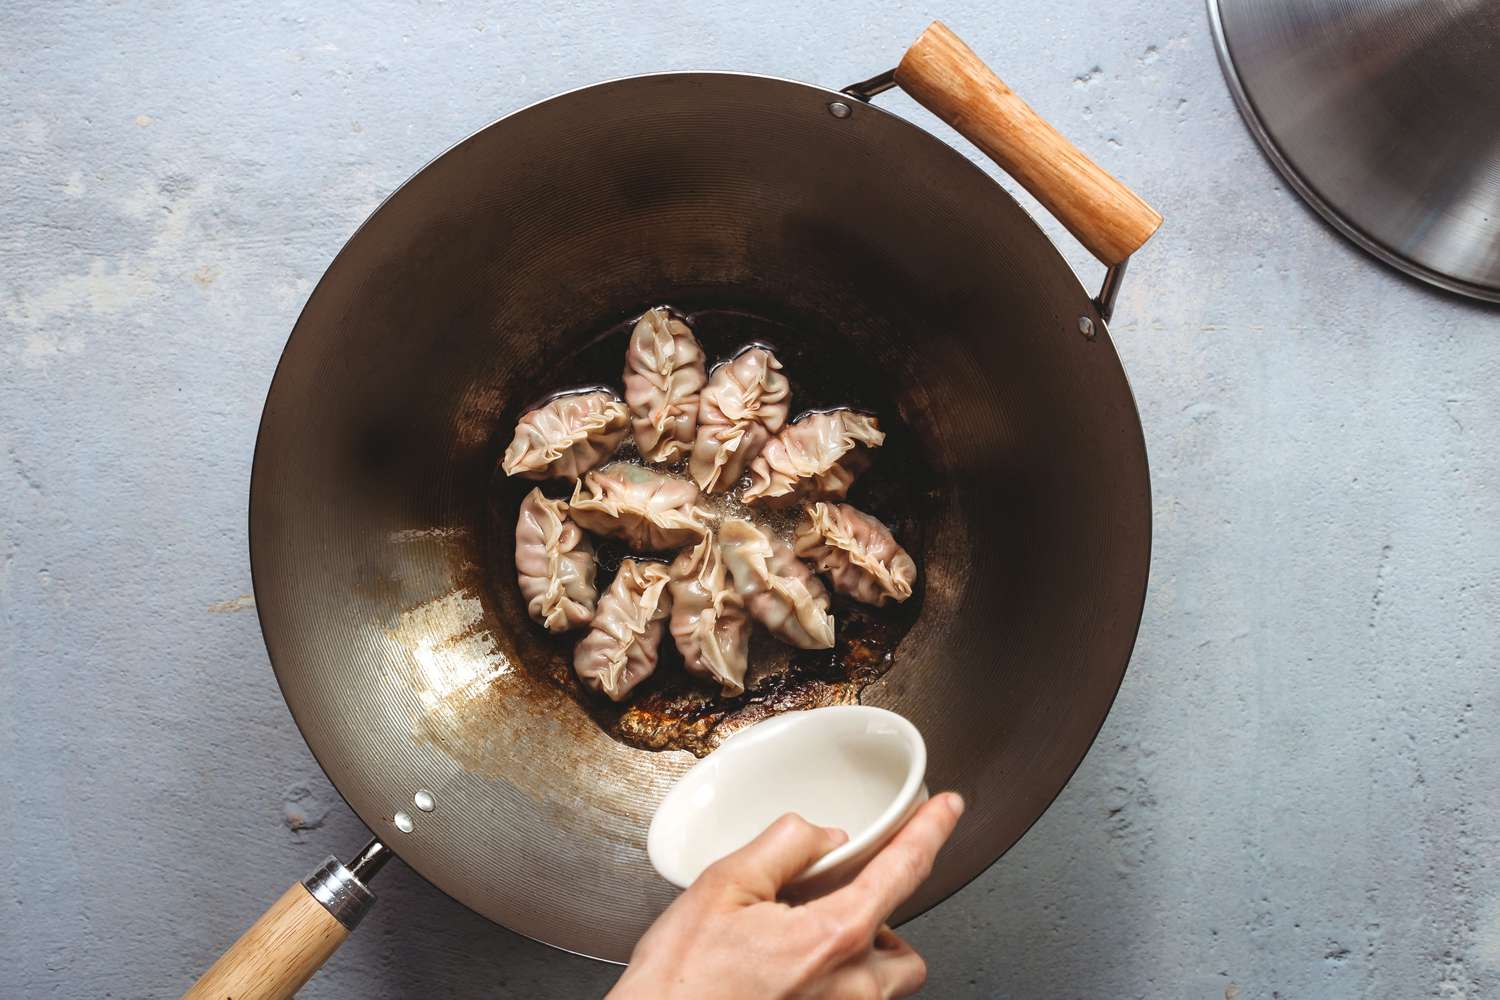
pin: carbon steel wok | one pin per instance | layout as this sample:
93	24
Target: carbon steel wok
472	286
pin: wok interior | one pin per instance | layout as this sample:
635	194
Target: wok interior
450	308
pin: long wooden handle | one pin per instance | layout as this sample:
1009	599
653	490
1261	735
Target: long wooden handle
277	955
948	79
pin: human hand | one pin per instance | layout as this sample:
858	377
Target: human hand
727	936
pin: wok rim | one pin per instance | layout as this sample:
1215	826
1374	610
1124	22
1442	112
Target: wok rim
940	148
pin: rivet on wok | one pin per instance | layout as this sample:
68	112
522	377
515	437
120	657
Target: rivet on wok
1086	327
424	800
403	822
839	109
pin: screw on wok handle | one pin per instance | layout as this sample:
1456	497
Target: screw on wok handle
291	940
945	76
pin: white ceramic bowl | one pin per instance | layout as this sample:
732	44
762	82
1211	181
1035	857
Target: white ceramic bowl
854	767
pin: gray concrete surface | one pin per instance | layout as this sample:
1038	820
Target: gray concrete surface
1295	796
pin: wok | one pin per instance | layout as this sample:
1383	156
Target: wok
380	570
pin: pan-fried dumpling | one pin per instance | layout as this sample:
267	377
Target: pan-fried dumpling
780	590
664	373
744	404
568	436
652	512
709	623
857	553
621	648
815	457
554	564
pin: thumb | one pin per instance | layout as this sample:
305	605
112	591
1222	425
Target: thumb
779	854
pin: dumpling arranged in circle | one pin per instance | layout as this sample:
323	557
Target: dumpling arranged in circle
567	436
664	374
780	590
709	622
648	510
554	565
624	641
815	457
857	553
745	402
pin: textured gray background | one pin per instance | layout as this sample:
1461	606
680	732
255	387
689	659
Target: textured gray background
1296	793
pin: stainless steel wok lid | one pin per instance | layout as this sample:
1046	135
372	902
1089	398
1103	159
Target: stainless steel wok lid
1385	116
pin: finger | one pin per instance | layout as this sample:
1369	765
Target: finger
897	967
894	970
780	853
901	866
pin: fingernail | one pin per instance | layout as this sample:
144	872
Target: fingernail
956	803
839	836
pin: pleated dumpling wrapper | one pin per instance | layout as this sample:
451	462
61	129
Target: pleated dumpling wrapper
649	511
554	565
816	457
857	553
567	436
780	590
624	641
709	622
664	375
745	402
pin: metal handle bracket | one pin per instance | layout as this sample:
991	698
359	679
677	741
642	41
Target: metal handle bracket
1114	274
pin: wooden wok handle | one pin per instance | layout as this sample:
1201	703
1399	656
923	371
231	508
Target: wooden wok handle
291	940
945	76
277	955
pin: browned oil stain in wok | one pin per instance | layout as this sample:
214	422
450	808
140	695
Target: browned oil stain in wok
504	724
678	712
673	710
501	722
461	664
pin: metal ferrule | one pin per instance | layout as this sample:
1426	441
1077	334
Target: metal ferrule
341	894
